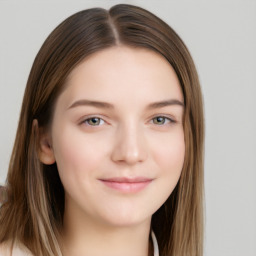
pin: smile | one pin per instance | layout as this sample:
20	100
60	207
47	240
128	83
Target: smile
127	185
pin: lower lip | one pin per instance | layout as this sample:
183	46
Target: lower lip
127	187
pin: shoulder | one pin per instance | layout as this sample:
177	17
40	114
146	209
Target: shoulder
18	250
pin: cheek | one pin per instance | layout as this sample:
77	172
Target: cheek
76	156
169	153
168	156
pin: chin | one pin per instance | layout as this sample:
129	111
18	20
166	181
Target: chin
126	223
125	218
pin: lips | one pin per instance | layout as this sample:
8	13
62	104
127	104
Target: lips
127	185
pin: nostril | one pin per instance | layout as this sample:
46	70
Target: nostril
129	150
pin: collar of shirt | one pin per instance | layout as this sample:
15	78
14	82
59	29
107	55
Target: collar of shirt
155	244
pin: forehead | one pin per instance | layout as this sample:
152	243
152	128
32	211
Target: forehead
122	71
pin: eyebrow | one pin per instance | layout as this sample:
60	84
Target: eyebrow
100	104
97	104
165	103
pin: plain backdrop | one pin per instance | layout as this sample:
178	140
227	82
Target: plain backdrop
221	36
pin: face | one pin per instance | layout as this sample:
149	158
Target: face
117	136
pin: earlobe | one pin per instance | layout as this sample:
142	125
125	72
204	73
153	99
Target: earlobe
45	150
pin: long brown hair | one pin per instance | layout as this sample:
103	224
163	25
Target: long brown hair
33	211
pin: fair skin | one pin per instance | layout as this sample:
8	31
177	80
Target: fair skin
118	141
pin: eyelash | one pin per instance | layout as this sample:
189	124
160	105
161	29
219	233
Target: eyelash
86	121
167	120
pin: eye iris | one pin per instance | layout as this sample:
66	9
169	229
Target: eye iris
94	121
159	120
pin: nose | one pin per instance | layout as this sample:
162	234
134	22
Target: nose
129	145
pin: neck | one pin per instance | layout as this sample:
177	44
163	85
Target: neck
84	236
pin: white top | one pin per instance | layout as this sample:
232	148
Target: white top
155	244
20	250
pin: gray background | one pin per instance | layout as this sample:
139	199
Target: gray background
221	36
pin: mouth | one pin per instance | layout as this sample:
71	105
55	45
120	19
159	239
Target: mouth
127	185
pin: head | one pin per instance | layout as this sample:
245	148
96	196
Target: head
83	41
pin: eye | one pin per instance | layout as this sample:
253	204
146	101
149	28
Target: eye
161	120
94	121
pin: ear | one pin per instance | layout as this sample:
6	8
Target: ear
45	150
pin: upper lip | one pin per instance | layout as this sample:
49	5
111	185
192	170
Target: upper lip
127	179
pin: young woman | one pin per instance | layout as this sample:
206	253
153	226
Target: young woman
108	154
